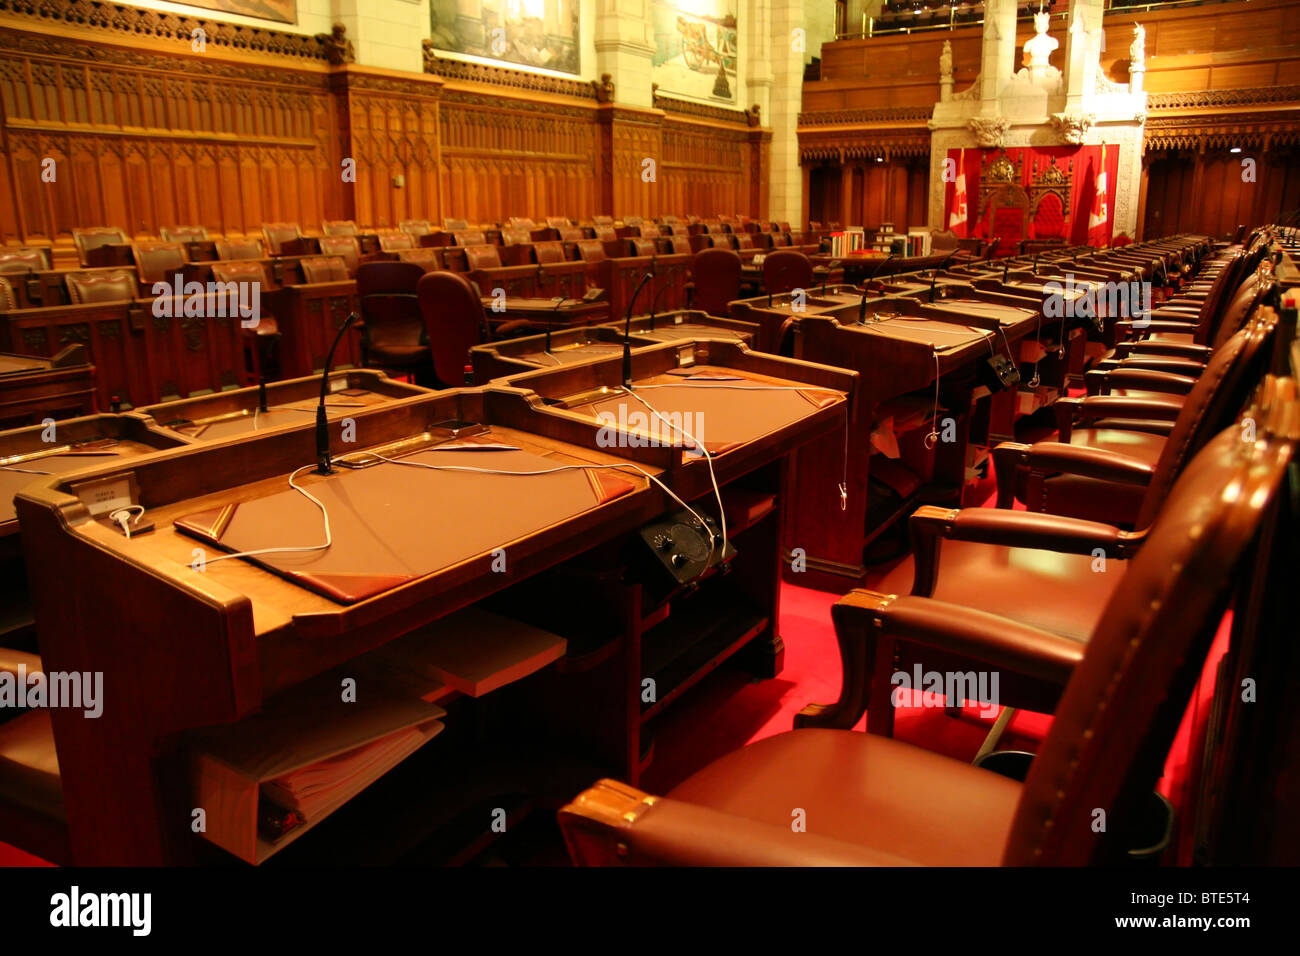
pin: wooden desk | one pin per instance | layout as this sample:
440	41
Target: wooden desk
290	403
36	451
33	388
905	344
494	360
193	649
543	312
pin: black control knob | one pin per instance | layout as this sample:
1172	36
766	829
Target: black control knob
679	560
666	543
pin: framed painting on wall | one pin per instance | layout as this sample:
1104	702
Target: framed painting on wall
695	48
282	11
535	33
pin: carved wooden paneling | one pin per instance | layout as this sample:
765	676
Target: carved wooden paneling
142	132
160	139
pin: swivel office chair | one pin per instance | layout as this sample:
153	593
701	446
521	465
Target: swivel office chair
786	270
715	281
393	331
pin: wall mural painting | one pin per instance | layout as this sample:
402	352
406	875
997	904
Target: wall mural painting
536	33
695	48
282	11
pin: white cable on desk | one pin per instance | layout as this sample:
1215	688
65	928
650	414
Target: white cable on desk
329	537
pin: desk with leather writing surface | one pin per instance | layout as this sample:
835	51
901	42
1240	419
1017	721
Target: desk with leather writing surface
733	407
291	402
497	359
392	523
194	648
33	387
905	342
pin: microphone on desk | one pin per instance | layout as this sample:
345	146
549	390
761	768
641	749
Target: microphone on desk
627	327
323	466
866	287
934	276
654	302
261	392
559	301
1006	264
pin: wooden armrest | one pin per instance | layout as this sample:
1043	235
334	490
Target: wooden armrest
930	525
1182	350
867	624
982	636
1150	375
613	824
1055	457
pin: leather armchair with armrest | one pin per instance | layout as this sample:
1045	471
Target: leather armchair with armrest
873	800
1159	432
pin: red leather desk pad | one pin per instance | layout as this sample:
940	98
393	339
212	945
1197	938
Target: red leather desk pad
932	333
1006	314
569	355
733	407
20	364
690	330
11	481
276	416
392	523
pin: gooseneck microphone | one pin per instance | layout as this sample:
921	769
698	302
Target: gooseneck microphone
1006	264
654	302
627	329
866	287
261	391
323	466
934	276
559	301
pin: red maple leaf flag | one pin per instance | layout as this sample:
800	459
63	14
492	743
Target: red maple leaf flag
1100	214
958	215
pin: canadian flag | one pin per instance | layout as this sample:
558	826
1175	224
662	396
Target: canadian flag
958	215
1099	216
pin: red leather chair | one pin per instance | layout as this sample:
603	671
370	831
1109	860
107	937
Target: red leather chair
87	240
786	270
416	227
345	247
468	237
871	800
394	241
277	234
393	330
261	341
158	261
183	233
31	787
338	227
454	322
23	259
87	287
1116	447
8	299
428	258
715	281
482	256
547	252
317	269
246	247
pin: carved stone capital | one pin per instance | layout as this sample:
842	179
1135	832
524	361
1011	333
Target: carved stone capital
989	131
1072	127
